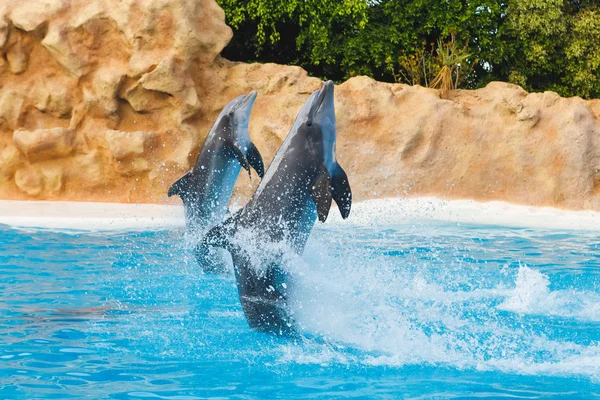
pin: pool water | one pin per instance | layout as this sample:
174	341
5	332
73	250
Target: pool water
398	311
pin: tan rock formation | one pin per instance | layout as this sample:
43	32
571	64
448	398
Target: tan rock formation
109	100
43	144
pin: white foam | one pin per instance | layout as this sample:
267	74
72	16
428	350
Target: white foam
532	295
403	315
116	216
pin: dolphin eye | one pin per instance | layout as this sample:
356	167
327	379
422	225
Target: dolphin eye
309	123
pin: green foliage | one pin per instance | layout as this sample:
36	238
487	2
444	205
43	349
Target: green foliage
539	27
557	46
445	68
539	44
583	53
306	32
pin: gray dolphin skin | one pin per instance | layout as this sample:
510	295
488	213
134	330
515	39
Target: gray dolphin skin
206	189
297	189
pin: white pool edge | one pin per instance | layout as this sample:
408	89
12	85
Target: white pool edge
495	213
118	216
89	216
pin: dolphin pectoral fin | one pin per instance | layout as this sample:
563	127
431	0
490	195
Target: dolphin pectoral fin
220	235
320	192
237	153
180	185
255	160
216	237
207	260
341	192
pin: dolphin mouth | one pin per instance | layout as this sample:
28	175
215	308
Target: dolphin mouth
323	101
248	101
325	96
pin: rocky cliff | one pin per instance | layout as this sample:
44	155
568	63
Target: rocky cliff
110	100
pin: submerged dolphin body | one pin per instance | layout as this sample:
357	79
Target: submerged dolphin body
298	187
206	189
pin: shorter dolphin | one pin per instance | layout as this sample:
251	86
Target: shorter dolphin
297	189
206	189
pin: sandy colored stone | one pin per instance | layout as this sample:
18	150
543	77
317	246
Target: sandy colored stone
89	170
3	30
53	96
143	100
18	58
30	181
12	103
132	166
171	77
43	144
44	181
10	159
125	145
106	85
57	44
53	180
105	100
30	16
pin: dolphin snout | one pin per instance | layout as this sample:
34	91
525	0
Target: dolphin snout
248	101
326	95
324	106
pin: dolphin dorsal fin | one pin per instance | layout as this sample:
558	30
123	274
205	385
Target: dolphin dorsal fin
255	160
238	155
320	192
341	192
179	186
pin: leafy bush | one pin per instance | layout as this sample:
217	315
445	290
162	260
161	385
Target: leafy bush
539	44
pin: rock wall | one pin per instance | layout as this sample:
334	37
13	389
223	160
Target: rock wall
110	100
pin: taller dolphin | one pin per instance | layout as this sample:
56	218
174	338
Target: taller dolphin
206	189
297	189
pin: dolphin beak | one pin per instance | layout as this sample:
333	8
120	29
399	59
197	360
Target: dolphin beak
326	95
248	101
323	105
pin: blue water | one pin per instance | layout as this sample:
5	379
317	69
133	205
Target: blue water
428	311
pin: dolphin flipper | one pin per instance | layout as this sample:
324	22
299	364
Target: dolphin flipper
255	160
180	185
207	260
341	192
237	153
220	234
320	192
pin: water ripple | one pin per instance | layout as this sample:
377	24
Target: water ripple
419	311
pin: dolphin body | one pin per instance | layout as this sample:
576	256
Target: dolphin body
297	189
206	189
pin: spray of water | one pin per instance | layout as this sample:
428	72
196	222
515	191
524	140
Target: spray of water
410	310
391	296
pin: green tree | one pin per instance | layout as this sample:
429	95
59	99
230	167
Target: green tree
583	54
538	44
538	30
555	46
399	31
305	32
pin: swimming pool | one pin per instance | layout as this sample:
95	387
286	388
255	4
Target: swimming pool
432	310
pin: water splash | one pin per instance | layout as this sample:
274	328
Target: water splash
532	295
401	311
429	310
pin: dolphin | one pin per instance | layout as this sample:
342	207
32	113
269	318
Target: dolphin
298	188
206	189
